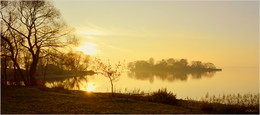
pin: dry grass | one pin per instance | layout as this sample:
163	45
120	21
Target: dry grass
17	100
57	100
248	100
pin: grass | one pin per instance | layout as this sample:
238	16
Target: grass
248	100
56	100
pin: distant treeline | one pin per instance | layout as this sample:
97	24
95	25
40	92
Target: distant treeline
172	65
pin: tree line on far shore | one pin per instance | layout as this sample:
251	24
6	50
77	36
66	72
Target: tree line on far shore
172	65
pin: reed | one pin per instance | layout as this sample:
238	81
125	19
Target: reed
247	99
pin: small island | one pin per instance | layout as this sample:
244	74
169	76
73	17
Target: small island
172	65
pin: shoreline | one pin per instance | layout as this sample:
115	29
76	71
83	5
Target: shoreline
33	100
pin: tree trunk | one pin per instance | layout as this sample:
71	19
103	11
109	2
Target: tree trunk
112	87
20	71
4	71
32	71
15	79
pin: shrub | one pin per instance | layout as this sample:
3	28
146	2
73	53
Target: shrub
162	96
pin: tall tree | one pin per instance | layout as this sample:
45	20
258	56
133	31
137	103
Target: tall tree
38	26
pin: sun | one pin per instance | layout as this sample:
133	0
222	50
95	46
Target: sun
90	87
88	48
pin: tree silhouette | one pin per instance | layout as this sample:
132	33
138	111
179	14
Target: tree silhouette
113	73
170	69
170	65
34	26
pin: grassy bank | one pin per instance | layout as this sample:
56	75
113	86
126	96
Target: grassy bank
45	100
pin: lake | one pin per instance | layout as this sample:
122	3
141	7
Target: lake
228	81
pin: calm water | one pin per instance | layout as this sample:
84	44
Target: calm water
228	81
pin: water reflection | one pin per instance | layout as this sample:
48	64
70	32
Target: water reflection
72	83
13	83
246	80
85	83
168	76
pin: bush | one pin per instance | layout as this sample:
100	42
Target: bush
162	96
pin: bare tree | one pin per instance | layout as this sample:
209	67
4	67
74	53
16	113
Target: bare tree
108	71
10	48
4	61
38	26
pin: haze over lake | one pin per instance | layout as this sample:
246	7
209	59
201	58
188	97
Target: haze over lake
225	33
221	34
229	81
152	56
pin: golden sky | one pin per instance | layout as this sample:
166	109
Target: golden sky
225	33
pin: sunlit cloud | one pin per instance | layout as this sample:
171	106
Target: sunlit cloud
113	47
88	48
89	31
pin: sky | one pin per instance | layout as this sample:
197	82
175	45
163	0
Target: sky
225	33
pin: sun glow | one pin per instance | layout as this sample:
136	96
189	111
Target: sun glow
88	48
90	87
90	32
